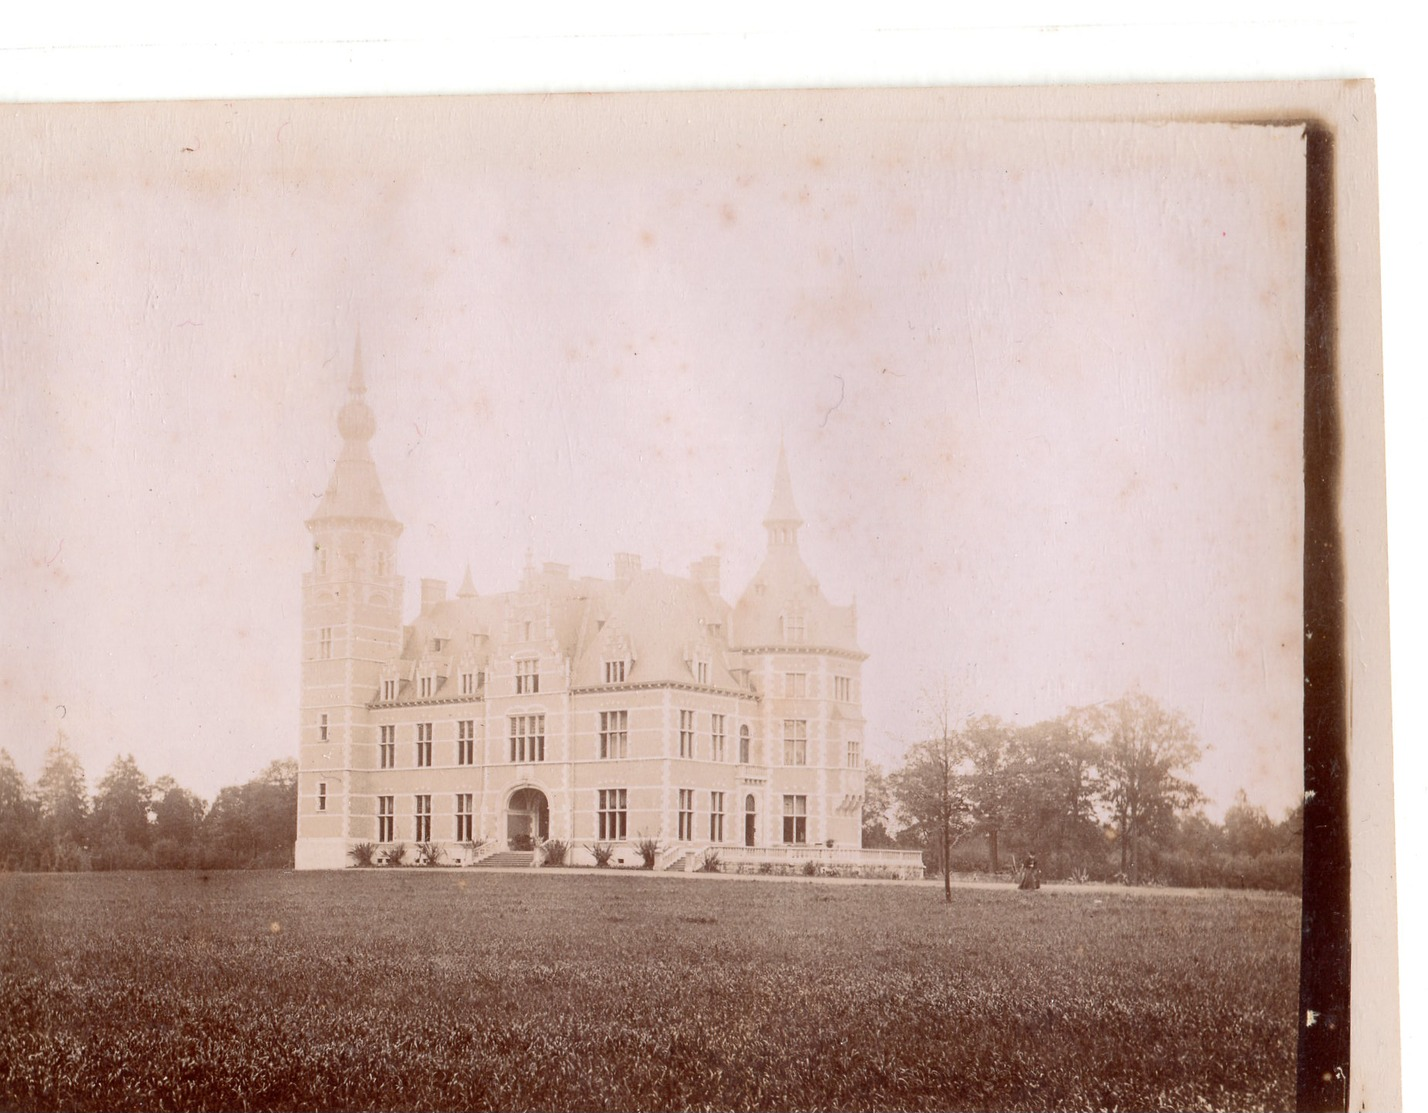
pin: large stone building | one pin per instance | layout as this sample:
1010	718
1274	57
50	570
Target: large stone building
592	710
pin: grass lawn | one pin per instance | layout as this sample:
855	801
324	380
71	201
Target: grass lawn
447	989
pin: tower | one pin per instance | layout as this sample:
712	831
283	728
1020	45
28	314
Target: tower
352	600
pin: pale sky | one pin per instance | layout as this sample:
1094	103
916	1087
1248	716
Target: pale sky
1040	386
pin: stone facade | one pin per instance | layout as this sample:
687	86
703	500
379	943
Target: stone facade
592	710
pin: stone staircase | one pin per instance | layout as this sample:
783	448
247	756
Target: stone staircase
509	859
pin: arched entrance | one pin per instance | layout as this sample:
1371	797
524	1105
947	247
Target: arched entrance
749	809
527	818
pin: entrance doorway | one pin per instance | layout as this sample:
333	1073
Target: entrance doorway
749	808
527	818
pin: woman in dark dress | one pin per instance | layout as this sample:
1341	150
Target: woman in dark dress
1030	878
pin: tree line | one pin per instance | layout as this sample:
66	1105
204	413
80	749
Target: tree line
1101	793
131	822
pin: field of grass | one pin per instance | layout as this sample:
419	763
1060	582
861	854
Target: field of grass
446	989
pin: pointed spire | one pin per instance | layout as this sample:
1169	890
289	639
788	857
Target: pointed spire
357	384
468	589
782	510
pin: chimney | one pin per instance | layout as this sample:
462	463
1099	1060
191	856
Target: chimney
627	566
432	593
705	573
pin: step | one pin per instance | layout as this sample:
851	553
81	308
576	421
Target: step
508	859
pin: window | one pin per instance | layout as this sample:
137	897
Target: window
421	821
716	737
465	741
321	561
744	745
701	672
795	685
795	819
463	817
385	818
614	672
423	744
612	813
468	683
686	734
426	686
686	814
527	737
716	629
389	690
324	643
322	728
389	747
855	753
527	679
795	742
381	564
322	796
614	733
793	627
716	817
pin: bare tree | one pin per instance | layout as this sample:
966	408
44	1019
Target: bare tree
928	788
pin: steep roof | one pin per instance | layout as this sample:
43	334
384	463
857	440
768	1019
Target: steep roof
354	490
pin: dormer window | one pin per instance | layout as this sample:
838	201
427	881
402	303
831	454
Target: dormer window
468	683
428	684
527	679
716	629
701	672
793	628
389	691
614	672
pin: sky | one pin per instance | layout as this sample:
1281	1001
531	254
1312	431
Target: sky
1040	385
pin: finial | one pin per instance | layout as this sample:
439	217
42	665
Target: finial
782	509
357	384
468	589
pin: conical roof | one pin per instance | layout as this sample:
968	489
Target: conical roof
782	509
355	490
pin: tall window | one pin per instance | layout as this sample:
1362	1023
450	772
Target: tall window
381	564
426	686
795	741
686	734
322	728
842	688
468	683
421	826
386	818
701	672
716	817
463	817
324	642
389	747
423	744
744	745
614	672
322	796
686	814
716	737
612	813
614	733
389	690
527	737
527	679
855	753
793	627
795	819
465	741
795	685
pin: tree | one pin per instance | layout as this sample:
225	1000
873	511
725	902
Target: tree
1248	829
19	818
877	803
1146	752
986	748
121	804
64	805
254	824
928	792
1053	786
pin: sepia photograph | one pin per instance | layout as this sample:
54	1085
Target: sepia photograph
690	600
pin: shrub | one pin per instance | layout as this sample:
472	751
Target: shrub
429	854
709	863
555	851
362	853
649	851
393	855
810	868
766	867
602	852
522	842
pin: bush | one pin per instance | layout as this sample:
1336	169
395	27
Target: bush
362	854
522	842
393	855
429	854
709	863
555	851
649	851
602	852
810	868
